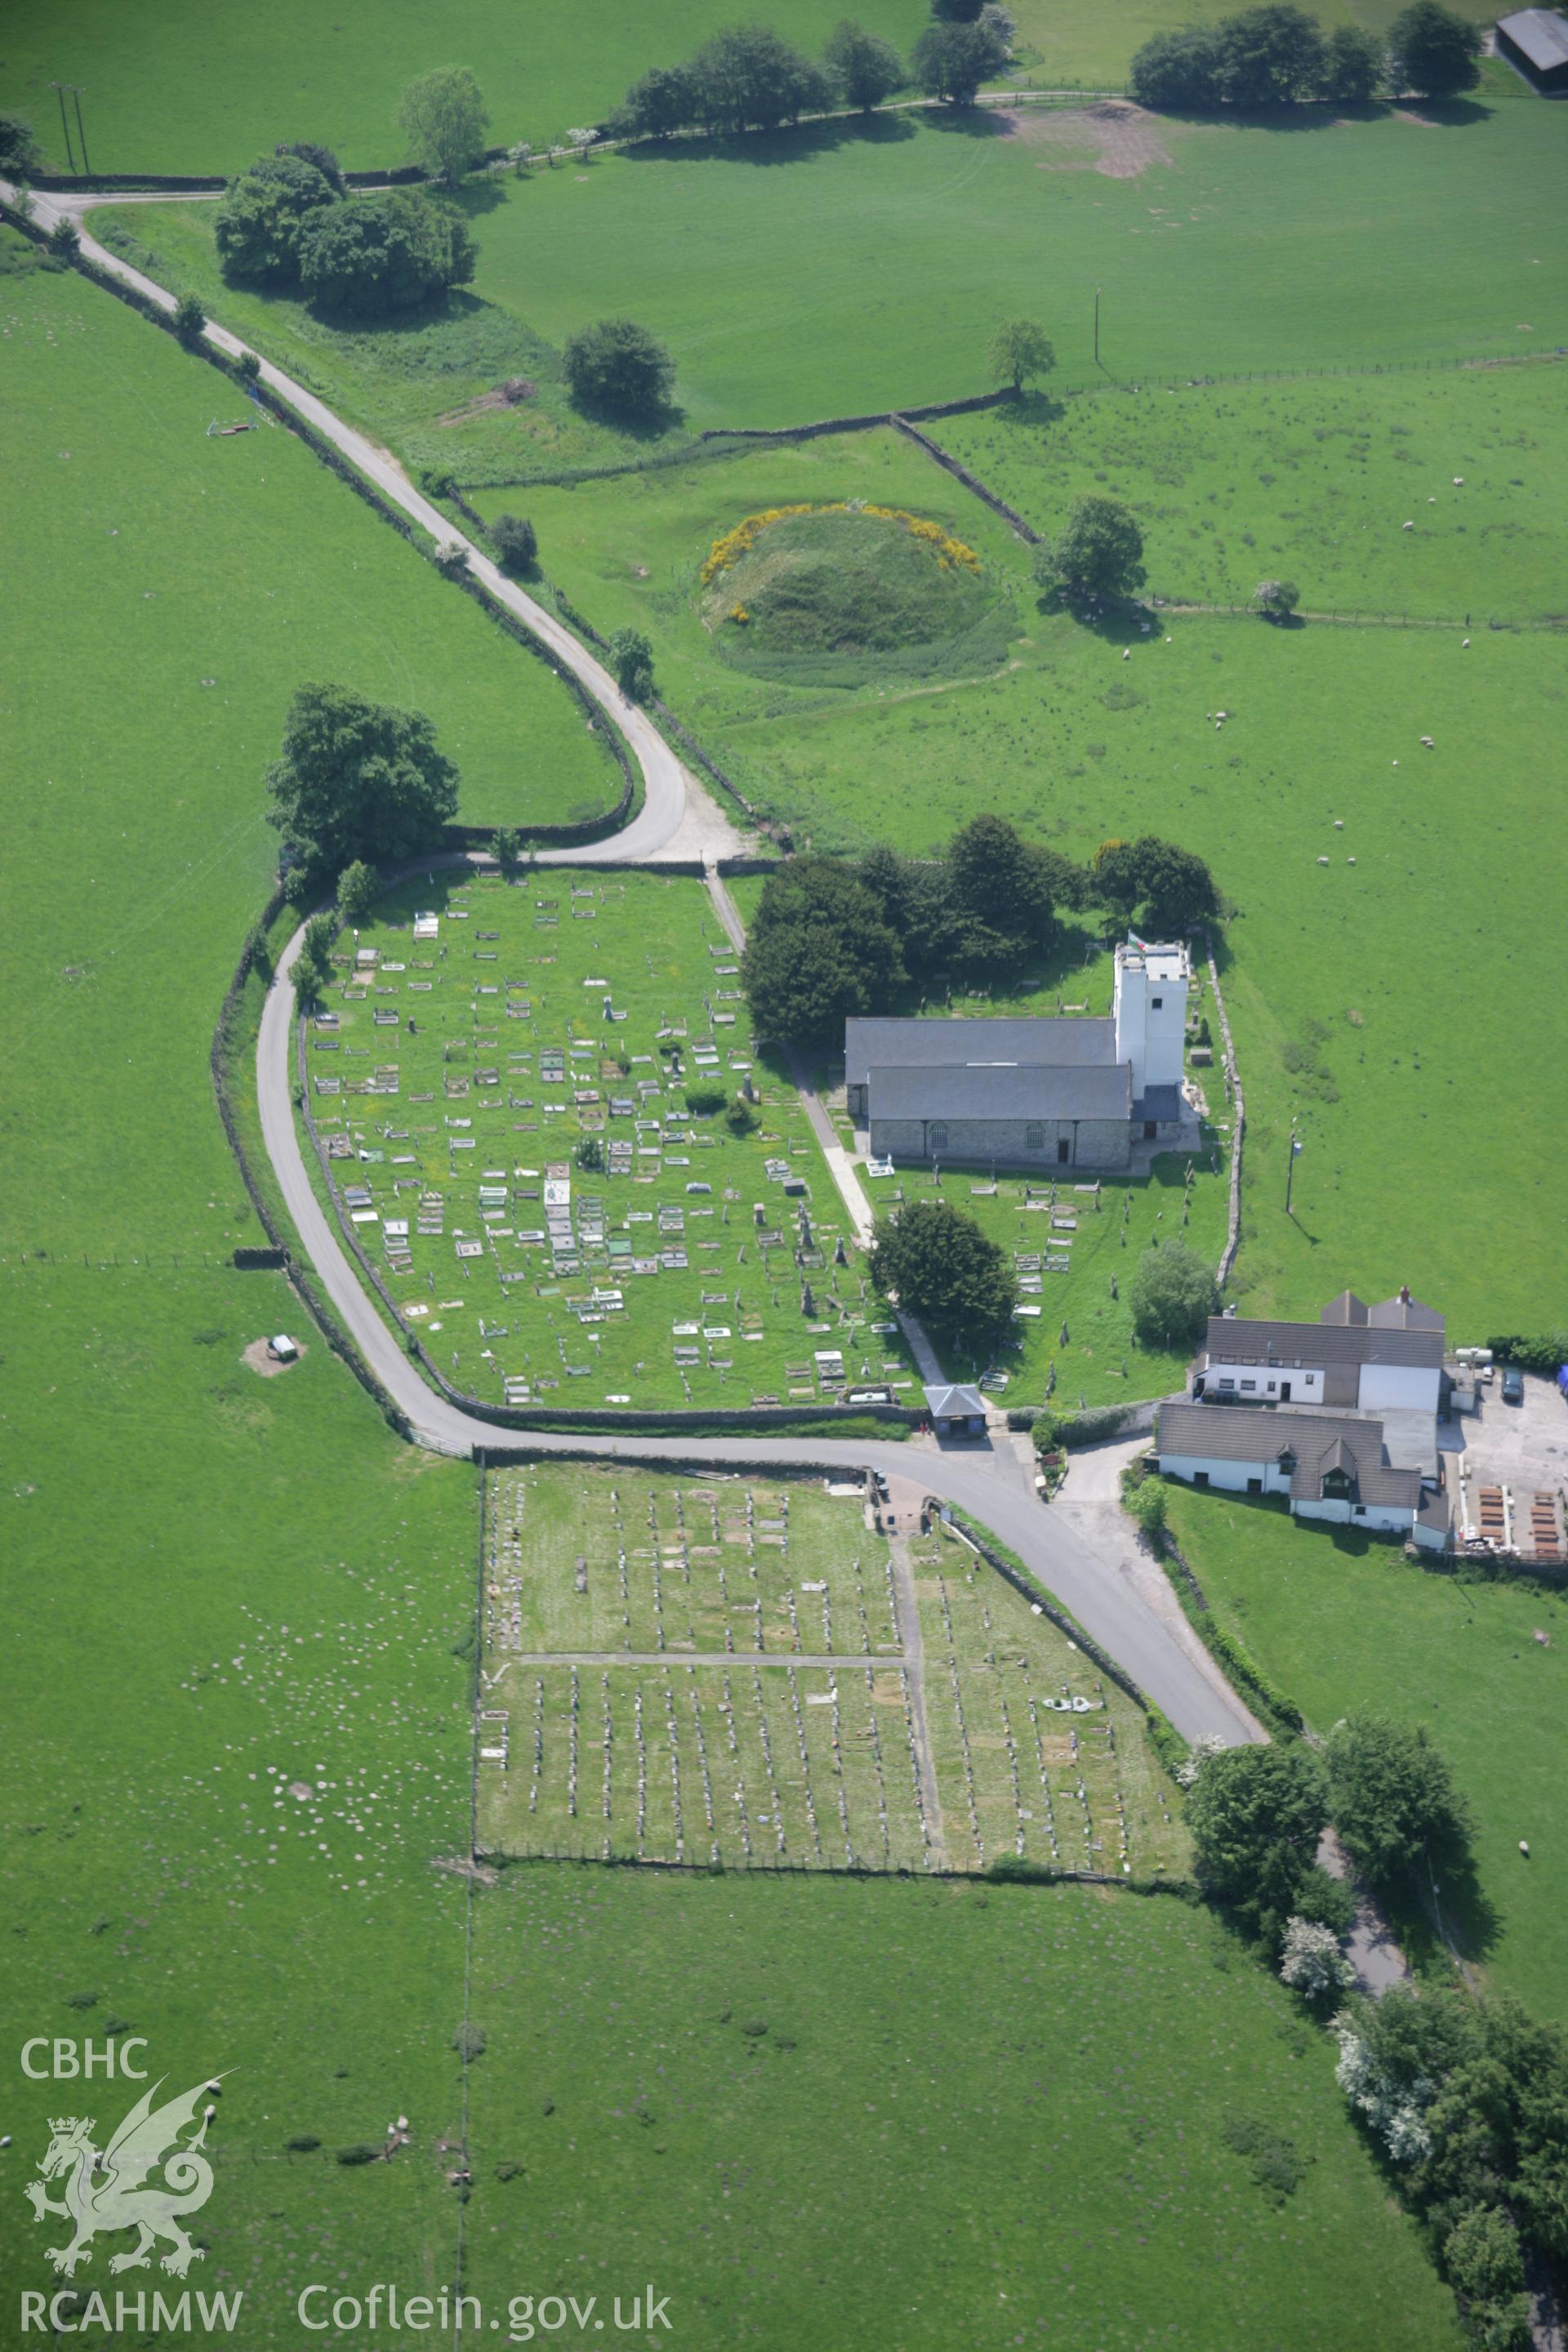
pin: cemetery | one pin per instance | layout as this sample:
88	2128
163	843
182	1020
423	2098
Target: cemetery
538	1109
711	1670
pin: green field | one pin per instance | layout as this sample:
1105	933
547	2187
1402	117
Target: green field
190	584
166	93
1342	1621
1338	977
170	91
679	1276
683	1729
827	2112
849	272
1313	482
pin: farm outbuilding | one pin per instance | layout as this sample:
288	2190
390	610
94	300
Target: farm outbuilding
1536	43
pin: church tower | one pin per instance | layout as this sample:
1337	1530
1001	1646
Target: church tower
1149	1011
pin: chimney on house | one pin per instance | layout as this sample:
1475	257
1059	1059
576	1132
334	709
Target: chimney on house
1405	1294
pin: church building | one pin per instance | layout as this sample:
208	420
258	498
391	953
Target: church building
1047	1093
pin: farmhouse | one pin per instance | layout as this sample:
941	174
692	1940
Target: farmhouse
1065	1092
1536	43
1382	1359
1331	1466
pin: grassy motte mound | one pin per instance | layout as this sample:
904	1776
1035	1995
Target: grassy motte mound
829	594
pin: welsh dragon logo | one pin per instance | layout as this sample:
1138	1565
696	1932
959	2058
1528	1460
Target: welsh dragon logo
104	2190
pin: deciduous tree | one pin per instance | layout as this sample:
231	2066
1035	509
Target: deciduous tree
617	365
380	254
631	658
1095	556
1178	69
1271	55
862	67
1020	353
951	61
1393	1798
1276	599
322	158
1154	883
940	1266
516	542
819	949
1255	1815
1172	1295
259	224
357	779
1355	63
1433	52
359	887
660	102
20	154
446	120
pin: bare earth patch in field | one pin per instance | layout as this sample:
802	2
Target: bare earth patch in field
260	1360
1114	138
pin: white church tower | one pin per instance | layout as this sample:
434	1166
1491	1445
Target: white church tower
1150	1011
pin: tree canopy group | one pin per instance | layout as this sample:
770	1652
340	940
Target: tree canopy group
356	781
749	77
287	222
831	939
1278	55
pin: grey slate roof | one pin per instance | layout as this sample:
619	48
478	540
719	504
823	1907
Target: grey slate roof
1539	34
1346	1308
1231	1338
1068	1043
1405	1315
1023	1091
1320	1442
954	1403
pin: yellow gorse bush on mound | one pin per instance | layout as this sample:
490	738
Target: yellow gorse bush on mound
741	540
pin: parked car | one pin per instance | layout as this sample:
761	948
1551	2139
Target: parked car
1512	1386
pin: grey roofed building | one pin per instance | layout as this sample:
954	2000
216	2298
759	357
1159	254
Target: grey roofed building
990	1090
1536	43
1233	1340
955	1400
1402	1313
1068	1043
1305	1449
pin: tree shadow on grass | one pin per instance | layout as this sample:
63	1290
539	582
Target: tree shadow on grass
796	143
482	195
1447	114
645	425
1114	625
1450	114
971	121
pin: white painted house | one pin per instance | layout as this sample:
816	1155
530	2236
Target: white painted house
1382	1359
1330	1467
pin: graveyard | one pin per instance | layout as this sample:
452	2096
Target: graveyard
517	1094
734	1688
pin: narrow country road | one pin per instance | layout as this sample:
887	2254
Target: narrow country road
676	821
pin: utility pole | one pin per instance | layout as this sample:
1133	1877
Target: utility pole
60	90
1097	326
1291	1165
81	130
